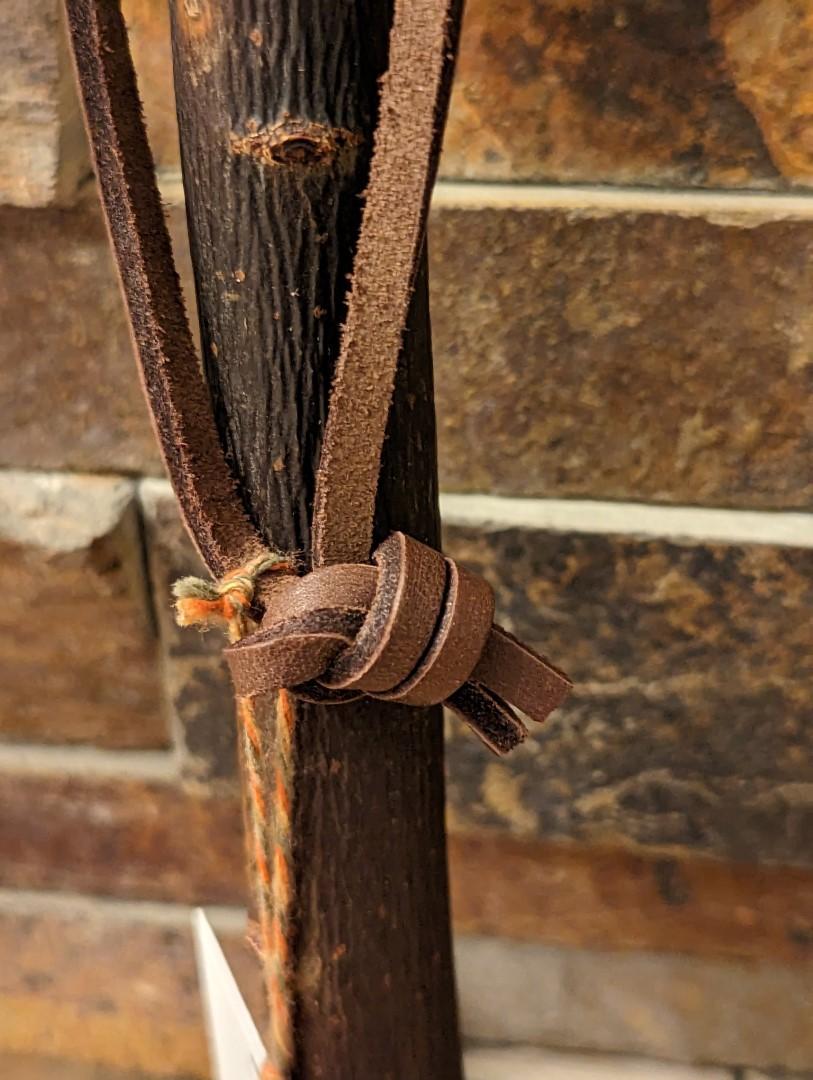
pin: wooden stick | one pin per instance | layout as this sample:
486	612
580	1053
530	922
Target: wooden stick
277	102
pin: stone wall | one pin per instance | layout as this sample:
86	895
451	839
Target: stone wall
621	247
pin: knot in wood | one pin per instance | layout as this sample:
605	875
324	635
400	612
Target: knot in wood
294	143
415	628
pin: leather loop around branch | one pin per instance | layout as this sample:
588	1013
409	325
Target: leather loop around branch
415	628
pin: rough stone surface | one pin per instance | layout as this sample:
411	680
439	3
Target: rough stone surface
106	986
709	93
595	92
671	1007
690	721
195	674
43	154
644	357
632	357
148	26
69	393
144	837
34	1067
119	836
768	46
774	1074
78	641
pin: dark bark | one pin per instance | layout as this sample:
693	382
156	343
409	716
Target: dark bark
277	106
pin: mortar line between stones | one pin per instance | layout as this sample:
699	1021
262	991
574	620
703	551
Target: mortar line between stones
159	766
718	204
224	918
715	204
680	524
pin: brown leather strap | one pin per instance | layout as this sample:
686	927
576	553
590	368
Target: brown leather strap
413	106
175	390
415	628
407	142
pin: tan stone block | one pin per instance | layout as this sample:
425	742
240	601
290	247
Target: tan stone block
527	1063
630	356
689	722
774	1074
768	48
151	45
661	1006
97	986
80	662
111	986
43	152
610	898
35	1067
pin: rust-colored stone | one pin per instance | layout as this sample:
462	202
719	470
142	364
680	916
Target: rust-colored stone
594	92
588	92
626	356
43	154
152	840
79	649
600	898
117	836
689	725
769	49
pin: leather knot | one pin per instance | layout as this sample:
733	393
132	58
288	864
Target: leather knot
414	628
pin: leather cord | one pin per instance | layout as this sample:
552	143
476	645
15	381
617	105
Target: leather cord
415	628
414	99
422	632
178	399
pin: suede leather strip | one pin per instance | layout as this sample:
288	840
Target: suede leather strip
488	717
418	629
458	642
414	628
179	402
401	619
510	669
414	100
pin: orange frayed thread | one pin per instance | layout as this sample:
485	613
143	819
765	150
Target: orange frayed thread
272	844
283	886
229	603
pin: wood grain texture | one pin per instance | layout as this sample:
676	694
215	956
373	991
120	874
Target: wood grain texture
277	107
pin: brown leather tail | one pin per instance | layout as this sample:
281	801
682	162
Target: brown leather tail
178	399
